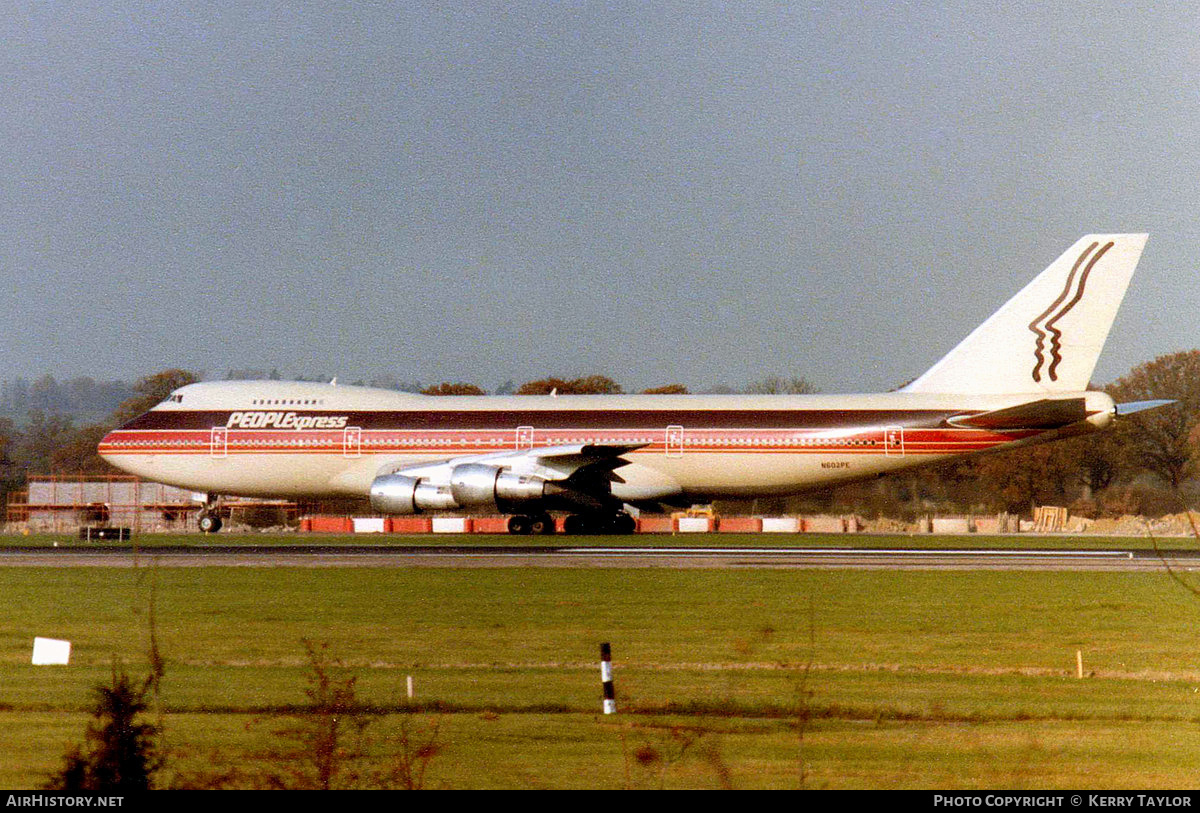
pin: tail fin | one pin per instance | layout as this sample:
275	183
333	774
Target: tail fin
1048	337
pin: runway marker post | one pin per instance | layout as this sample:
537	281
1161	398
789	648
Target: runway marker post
1079	664
606	677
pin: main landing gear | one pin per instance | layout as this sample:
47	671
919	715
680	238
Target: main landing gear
576	524
618	523
537	524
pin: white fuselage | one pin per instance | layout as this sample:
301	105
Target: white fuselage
296	439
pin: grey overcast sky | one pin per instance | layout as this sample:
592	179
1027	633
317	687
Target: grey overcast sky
701	192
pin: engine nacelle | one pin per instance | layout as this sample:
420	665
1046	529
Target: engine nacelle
480	484
399	494
470	485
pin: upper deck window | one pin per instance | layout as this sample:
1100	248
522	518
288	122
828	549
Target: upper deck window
288	401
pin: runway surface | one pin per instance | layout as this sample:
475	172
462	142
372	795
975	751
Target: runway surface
567	556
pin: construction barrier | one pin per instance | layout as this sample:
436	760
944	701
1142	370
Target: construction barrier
452	525
822	524
651	524
985	525
409	525
655	525
1004	523
739	525
327	525
1050	519
950	525
489	525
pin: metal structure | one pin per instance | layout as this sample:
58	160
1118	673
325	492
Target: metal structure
63	504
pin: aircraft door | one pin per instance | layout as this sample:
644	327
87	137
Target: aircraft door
352	441
893	441
524	437
218	445
674	444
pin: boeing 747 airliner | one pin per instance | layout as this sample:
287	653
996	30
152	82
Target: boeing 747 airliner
1019	378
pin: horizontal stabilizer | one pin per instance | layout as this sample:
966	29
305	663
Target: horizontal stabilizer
1140	406
1043	414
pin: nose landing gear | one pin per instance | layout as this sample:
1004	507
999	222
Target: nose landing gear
209	520
209	523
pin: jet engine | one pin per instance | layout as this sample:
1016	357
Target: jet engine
467	485
399	494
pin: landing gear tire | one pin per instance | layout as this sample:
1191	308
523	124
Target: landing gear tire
209	523
619	523
623	523
542	524
537	524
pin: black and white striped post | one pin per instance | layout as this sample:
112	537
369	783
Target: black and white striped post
610	700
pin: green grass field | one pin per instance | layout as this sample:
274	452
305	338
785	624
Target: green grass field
762	678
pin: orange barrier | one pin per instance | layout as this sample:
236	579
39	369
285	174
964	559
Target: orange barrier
328	525
489	525
646	524
655	525
409	525
739	525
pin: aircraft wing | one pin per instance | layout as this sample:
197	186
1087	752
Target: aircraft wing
564	462
548	462
578	475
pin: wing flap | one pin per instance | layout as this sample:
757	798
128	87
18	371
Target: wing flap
568	461
548	462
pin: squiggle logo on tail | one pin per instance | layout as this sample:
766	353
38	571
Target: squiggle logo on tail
1075	282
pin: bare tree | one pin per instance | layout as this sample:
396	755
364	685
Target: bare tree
151	390
1160	440
446	388
774	385
588	385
